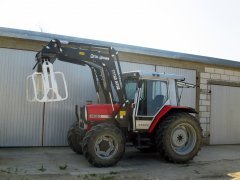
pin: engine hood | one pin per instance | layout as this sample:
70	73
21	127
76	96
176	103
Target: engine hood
101	111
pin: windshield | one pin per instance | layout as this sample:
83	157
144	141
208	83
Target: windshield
130	87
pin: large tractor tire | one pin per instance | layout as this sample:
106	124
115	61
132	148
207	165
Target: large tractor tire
179	137
74	137
104	145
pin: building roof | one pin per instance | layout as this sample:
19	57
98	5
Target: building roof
32	35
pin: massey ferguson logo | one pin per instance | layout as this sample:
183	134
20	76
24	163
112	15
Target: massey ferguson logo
100	116
93	56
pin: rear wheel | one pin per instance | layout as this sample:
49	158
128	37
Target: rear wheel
104	145
179	137
75	136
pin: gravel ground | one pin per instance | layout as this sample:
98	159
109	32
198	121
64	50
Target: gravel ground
213	162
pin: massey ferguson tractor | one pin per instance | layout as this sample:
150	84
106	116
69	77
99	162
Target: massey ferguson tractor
138	107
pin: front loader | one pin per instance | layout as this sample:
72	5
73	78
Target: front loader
138	107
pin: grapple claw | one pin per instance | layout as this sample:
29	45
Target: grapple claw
45	85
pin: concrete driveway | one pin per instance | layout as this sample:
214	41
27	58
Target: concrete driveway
213	162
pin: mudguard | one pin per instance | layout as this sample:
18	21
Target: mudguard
165	110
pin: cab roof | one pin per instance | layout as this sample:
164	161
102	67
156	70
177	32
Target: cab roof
152	75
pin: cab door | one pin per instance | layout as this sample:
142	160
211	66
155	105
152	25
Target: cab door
151	97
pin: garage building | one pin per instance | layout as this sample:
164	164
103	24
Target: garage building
216	97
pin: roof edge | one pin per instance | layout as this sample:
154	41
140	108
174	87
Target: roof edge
40	36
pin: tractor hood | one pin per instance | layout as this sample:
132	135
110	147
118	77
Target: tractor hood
97	112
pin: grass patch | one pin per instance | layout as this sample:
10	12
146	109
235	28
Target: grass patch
63	167
42	169
108	178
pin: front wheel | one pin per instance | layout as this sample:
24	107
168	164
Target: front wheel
104	145
74	137
179	137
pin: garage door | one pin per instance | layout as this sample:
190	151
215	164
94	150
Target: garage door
20	121
225	115
188	97
26	124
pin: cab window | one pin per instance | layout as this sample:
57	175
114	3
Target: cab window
154	94
130	88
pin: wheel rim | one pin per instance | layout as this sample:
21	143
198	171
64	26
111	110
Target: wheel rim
106	147
183	139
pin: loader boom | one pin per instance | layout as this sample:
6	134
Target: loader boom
100	59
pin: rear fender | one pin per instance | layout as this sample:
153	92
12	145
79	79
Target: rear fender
165	111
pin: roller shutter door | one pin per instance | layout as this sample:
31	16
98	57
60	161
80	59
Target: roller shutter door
225	115
26	124
20	121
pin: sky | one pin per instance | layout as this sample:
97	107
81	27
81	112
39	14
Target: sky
201	27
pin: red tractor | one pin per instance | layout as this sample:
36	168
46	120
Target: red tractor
138	107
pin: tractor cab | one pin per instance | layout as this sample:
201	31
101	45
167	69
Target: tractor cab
150	92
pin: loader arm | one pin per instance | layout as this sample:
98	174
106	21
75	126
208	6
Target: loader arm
100	59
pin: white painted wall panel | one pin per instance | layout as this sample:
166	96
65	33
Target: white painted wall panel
225	115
